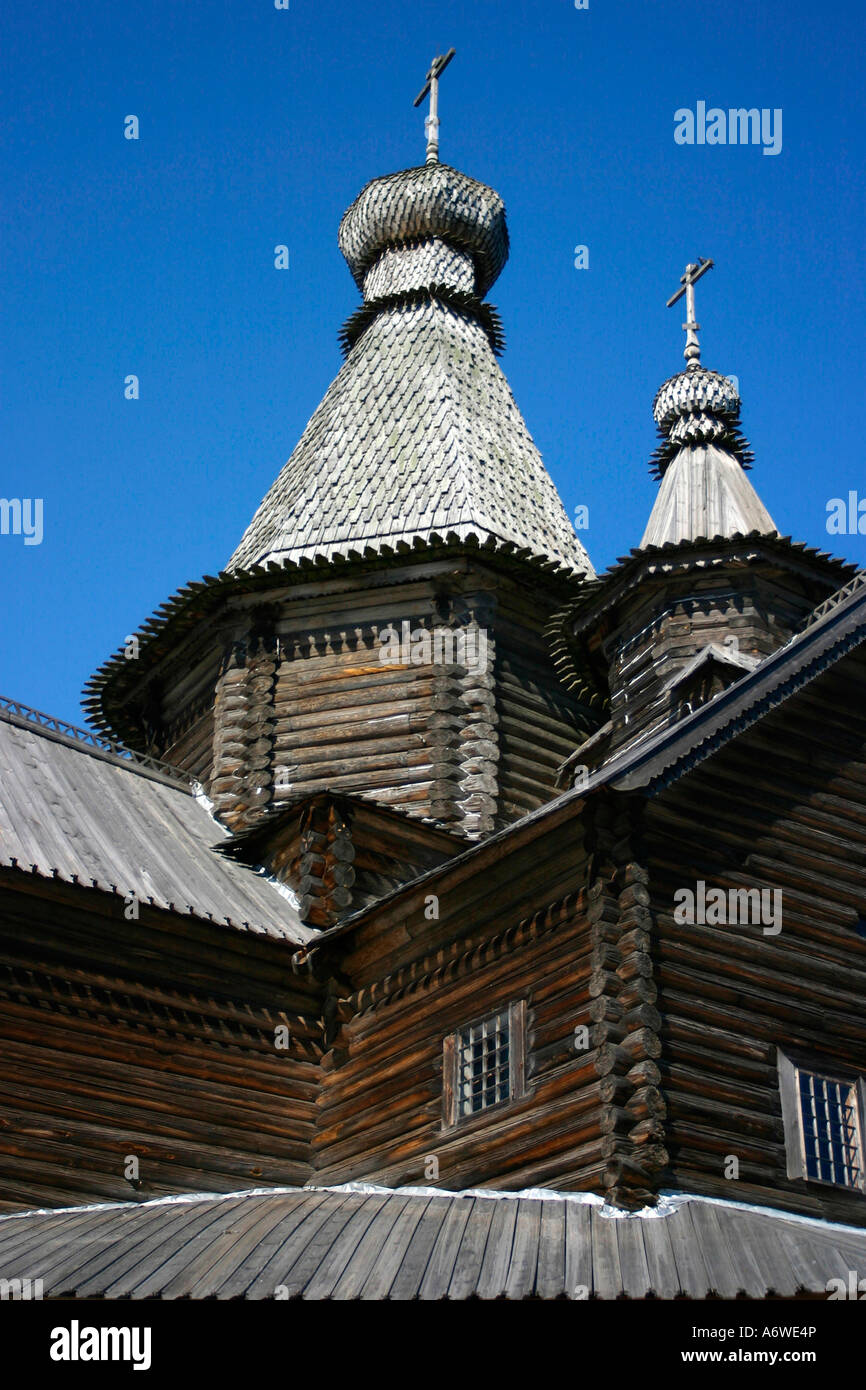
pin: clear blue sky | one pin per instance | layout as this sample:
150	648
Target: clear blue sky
259	126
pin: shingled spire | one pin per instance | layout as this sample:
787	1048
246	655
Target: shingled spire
712	588
701	457
419	434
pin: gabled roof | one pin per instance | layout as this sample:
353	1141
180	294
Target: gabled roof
729	661
369	1242
77	812
418	434
359	848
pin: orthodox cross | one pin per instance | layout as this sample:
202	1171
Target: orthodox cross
693	273
431	125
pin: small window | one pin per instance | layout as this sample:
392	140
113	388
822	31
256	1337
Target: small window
484	1064
823	1111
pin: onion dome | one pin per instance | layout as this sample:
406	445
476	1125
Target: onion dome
698	406
419	435
701	461
394	216
425	233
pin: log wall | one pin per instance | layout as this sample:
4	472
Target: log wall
381	1105
782	807
662	632
173	1062
297	700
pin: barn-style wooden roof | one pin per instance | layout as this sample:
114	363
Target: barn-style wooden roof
419	434
403	1244
75	811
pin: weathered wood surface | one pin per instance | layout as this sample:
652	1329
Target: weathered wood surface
104	1060
377	1244
783	807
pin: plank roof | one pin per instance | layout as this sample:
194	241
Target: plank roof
705	492
80	813
366	1242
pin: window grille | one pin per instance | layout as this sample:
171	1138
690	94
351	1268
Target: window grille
484	1064
824	1122
831	1130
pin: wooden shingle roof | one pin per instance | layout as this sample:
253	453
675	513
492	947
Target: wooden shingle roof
374	1243
419	434
705	492
702	459
79	813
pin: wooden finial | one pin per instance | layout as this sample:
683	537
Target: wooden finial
688	281
431	125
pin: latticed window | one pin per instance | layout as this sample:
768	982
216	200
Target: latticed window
484	1064
831	1130
824	1123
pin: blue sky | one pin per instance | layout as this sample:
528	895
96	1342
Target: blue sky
258	127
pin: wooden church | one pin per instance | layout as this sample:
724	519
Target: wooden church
425	915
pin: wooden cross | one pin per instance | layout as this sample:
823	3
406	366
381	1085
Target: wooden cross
688	281
431	125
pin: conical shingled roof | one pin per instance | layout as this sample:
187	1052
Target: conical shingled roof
702	459
419	433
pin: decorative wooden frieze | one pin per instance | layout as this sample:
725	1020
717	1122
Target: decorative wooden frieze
460	958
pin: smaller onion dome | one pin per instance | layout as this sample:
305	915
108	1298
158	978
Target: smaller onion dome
697	406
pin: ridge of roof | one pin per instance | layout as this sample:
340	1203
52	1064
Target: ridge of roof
95	745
